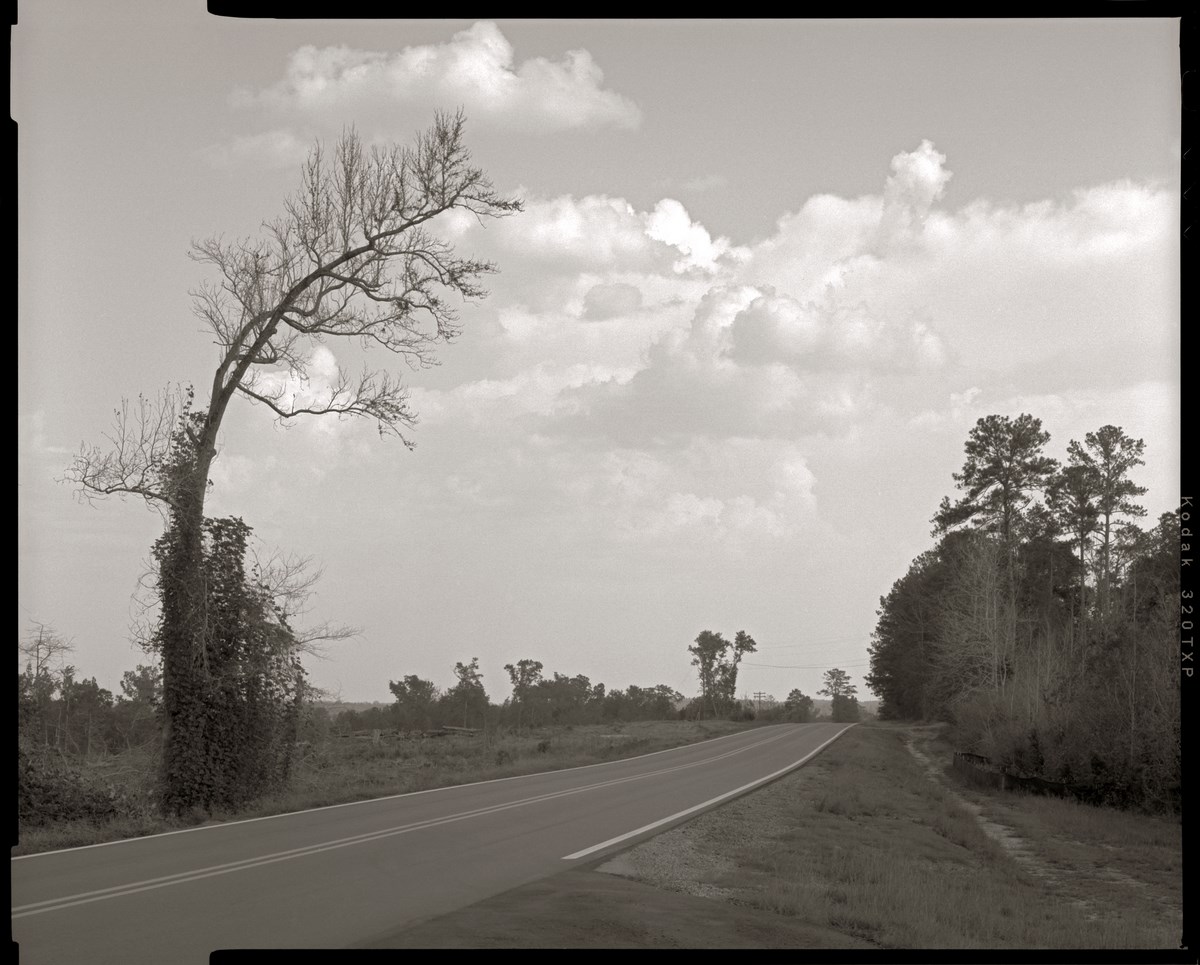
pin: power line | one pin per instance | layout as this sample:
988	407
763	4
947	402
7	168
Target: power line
788	666
813	643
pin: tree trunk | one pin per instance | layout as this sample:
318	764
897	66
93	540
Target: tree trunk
187	770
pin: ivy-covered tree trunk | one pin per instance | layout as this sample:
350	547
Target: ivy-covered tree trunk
187	779
230	672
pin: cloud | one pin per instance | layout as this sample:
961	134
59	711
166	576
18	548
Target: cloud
918	179
704	182
671	224
777	328
274	149
31	436
597	233
613	330
740	490
606	301
754	364
475	68
540	390
1094	274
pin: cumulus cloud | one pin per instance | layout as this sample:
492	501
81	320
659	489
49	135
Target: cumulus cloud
691	384
570	235
856	320
476	68
735	490
777	328
988	284
670	223
918	179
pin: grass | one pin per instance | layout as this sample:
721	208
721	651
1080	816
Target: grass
339	771
864	841
1122	866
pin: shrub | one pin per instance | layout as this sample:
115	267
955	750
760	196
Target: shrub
50	790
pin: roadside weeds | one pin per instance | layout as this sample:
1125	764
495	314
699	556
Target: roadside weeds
345	771
885	847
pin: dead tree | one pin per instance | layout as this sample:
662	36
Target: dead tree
355	255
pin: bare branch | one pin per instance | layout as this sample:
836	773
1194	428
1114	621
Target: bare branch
290	580
353	256
44	648
140	441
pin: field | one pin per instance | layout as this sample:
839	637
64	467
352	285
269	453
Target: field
345	769
876	843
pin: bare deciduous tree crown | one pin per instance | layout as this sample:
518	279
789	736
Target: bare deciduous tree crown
353	256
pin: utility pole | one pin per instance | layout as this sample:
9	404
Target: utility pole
758	697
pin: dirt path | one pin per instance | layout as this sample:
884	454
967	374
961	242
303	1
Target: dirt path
1066	880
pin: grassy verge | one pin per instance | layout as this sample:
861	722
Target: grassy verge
865	841
345	770
1117	866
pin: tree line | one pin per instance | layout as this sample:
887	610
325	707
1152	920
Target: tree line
1042	623
535	700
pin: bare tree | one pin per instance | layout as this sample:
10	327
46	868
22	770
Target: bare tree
290	580
354	256
44	652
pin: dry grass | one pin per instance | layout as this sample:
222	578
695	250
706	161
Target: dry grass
344	770
864	841
1117	866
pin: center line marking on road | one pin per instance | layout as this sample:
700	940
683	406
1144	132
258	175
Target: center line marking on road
197	874
700	807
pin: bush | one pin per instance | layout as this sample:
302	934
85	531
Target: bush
50	790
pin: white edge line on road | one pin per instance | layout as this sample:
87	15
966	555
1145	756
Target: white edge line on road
387	797
700	807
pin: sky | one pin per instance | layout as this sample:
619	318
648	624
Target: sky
768	276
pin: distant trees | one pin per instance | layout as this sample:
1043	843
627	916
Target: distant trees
416	700
843	704
468	692
44	651
60	711
641	703
798	708
1042	623
524	676
716	661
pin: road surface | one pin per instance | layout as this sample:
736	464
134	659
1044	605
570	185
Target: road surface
341	876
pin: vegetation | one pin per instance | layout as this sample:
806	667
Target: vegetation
862	841
716	661
798	708
89	763
66	801
844	707
1042	623
353	256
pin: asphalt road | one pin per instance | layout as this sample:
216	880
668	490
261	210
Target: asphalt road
340	877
